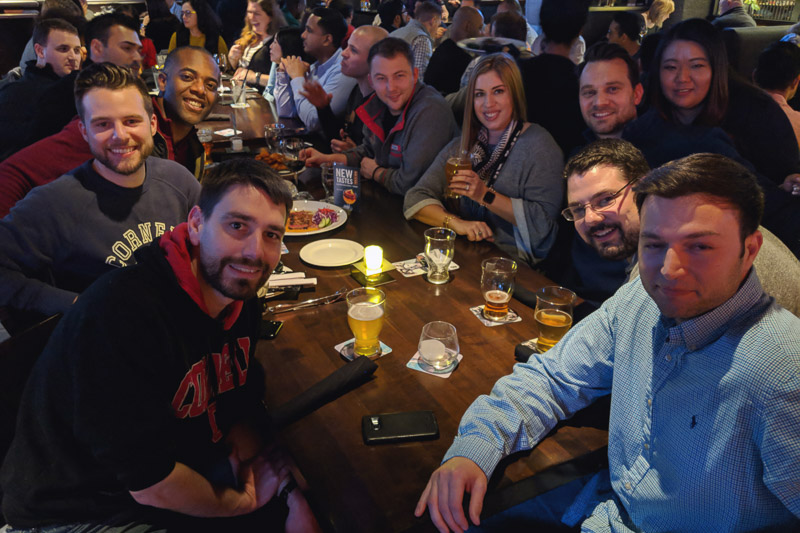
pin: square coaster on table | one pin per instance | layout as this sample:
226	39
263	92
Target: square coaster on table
416	364
345	349
510	317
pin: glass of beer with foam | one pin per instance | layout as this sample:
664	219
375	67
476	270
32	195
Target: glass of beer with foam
365	312
497	285
553	315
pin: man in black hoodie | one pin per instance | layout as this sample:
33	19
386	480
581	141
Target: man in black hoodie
145	409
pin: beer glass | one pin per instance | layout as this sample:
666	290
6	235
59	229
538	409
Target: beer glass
438	346
455	163
553	315
365	314
497	286
206	137
439	250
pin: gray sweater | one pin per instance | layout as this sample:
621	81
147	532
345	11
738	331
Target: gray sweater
531	177
63	235
777	268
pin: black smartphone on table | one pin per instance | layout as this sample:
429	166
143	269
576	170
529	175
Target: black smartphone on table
399	427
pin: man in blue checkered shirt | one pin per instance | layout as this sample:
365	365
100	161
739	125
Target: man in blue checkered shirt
702	366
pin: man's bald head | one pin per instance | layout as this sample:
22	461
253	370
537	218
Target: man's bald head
354	57
467	23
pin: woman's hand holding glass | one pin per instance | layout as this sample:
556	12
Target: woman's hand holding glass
468	183
235	54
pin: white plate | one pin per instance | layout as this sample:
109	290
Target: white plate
310	205
331	252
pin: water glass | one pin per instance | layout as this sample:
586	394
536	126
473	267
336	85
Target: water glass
438	346
553	315
366	309
497	286
273	135
439	251
239	92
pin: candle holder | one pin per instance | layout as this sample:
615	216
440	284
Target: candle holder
372	271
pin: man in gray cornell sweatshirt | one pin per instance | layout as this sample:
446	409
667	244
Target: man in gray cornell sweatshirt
62	236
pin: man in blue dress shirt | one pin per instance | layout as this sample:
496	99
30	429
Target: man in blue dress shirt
702	366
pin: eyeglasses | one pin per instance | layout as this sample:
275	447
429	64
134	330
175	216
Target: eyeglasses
185	14
577	212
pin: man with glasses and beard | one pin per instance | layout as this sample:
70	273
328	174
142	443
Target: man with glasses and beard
64	235
601	204
149	395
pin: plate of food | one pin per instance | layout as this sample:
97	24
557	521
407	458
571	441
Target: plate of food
331	252
491	45
309	217
278	162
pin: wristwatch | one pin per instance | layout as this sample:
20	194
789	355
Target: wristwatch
488	198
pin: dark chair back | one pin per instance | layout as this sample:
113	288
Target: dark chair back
17	357
745	44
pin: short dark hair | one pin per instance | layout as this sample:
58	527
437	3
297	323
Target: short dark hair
173	56
703	33
108	76
562	20
605	51
514	4
344	7
332	22
290	40
43	28
630	24
510	25
218	179
389	48
389	10
427	11
778	66
616	153
712	175
99	27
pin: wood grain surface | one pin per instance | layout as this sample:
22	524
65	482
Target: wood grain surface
354	487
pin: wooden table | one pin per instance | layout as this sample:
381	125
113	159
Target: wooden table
355	487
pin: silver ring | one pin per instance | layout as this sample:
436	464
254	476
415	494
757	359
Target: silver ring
467	187
480	232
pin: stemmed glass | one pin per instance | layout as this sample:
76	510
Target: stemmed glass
438	346
291	153
273	135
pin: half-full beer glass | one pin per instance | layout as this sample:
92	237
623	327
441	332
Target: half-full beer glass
460	161
365	312
439	249
497	286
553	315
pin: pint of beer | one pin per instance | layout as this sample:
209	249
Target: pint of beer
365	315
553	315
497	285
453	165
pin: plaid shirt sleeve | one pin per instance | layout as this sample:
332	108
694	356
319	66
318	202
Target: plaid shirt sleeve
421	46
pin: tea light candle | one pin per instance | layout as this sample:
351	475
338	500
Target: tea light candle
236	144
373	258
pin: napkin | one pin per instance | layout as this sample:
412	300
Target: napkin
346	378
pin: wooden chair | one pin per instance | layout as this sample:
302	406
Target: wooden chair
17	357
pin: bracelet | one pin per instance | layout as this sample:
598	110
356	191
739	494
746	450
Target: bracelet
258	78
289	487
447	219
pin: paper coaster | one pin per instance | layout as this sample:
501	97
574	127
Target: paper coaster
345	349
417	364
531	344
414	267
510	317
